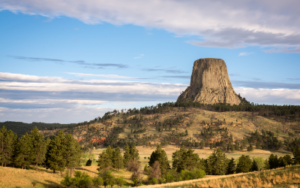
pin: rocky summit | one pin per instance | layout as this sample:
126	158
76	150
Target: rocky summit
210	84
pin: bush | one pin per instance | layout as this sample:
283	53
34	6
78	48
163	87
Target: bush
82	180
89	162
244	164
153	181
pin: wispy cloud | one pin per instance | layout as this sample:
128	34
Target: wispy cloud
103	75
80	62
183	77
245	53
138	57
165	70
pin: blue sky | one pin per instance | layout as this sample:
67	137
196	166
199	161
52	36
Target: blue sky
67	61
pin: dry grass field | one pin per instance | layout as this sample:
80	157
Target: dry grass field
288	177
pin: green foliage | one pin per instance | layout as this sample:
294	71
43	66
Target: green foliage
97	181
194	174
250	148
254	166
88	162
117	159
72	152
296	154
153	181
127	156
244	164
104	161
160	155
134	153
273	161
80	180
108	178
216	164
231	168
260	162
39	146
24	155
8	142
55	157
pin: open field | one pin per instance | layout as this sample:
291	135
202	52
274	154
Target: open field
203	153
289	177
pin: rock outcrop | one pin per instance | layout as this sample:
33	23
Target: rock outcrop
210	84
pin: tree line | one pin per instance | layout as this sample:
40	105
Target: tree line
57	154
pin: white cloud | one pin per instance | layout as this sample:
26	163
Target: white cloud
228	24
52	84
52	115
53	101
245	53
102	75
138	57
270	96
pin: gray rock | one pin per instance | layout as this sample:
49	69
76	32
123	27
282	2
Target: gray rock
210	84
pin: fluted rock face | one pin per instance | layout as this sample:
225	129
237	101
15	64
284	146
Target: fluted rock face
210	84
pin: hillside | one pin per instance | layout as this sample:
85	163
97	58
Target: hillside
21	128
191	126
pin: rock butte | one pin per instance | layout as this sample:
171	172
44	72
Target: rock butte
210	84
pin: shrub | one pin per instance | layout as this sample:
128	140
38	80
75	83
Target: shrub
153	181
89	162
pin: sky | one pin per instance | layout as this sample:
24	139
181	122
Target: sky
69	61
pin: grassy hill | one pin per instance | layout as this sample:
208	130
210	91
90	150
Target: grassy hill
187	126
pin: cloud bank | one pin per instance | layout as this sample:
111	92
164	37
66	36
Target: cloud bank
54	99
224	24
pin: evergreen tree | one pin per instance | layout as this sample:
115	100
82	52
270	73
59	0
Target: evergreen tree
10	144
55	157
254	166
104	161
72	152
2	144
160	155
296	154
231	167
177	157
134	153
127	155
273	161
217	162
117	159
189	161
244	164
110	151
24	151
39	147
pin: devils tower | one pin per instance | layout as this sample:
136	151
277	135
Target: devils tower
210	84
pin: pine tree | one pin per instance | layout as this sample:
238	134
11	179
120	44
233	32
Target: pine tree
177	157
134	153
10	143
39	148
160	155
55	159
117	159
2	144
127	155
231	167
24	151
296	154
254	166
72	152
217	163
244	164
109	152
104	161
